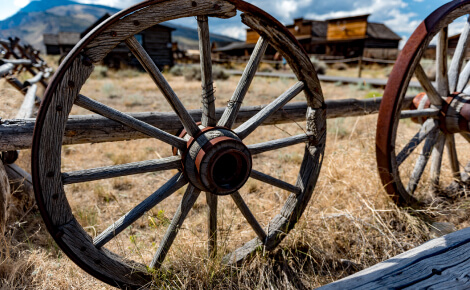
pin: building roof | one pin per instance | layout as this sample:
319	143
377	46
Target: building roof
51	39
63	38
381	31
349	18
236	46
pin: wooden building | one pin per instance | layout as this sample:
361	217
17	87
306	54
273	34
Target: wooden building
346	37
61	43
156	40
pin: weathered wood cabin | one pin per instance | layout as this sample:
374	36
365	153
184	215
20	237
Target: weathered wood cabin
346	37
61	43
156	40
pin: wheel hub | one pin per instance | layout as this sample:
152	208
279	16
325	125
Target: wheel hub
455	113
216	161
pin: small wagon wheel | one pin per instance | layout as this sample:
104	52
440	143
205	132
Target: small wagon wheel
203	169
442	112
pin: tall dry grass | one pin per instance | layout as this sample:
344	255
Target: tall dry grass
350	224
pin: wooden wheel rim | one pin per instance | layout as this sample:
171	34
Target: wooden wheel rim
64	89
395	91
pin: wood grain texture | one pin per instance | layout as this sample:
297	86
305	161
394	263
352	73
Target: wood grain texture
453	158
436	160
173	162
249	126
431	112
441	63
147	62
175	183
230	114
208	99
6	69
189	198
274	181
421	162
250	218
278	143
149	16
37	78
458	58
442	263
49	152
17	134
129	121
212	204
26	109
429	126
464	77
101	260
428	87
4	199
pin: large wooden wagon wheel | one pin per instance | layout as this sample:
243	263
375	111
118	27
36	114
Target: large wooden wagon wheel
221	167
404	149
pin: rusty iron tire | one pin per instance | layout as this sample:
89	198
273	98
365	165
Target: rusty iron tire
394	95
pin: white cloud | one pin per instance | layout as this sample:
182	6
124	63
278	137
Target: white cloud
233	31
21	3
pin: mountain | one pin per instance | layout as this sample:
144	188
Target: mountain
51	16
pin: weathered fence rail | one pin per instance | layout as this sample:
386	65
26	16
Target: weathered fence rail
17	134
330	79
442	263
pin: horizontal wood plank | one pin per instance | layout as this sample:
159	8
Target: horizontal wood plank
442	263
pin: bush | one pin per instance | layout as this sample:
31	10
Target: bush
340	66
177	70
264	67
320	66
193	72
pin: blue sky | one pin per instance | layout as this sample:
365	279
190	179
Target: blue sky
403	16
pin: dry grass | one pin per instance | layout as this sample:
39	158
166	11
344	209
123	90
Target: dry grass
350	224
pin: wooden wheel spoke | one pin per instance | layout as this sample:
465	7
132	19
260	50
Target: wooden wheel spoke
421	163
275	182
441	63
208	105
424	113
189	198
173	162
249	126
278	144
459	55
250	218
436	160
129	121
428	127
464	77
147	62
453	158
231	112
212	202
428	87
175	183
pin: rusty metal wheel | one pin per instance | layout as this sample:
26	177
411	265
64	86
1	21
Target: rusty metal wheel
211	157
414	130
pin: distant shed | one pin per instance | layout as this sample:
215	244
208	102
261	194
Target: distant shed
156	40
61	43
